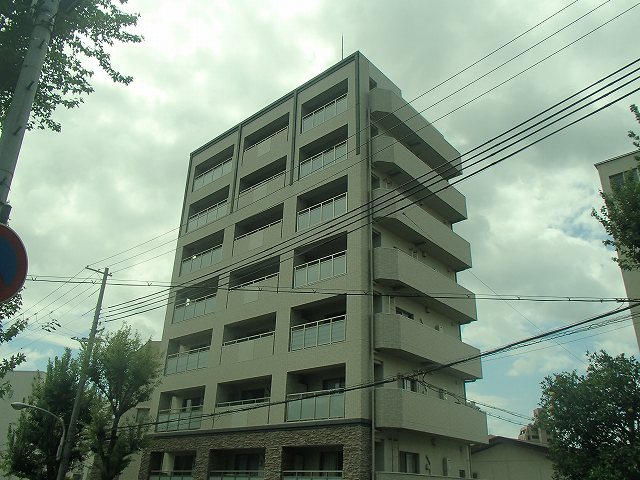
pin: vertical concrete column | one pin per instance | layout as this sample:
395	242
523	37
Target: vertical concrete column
273	463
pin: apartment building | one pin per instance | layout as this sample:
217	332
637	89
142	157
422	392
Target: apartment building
316	256
612	173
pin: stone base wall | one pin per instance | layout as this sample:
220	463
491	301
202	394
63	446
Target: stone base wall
354	438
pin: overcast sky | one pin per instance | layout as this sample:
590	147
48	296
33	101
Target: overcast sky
114	178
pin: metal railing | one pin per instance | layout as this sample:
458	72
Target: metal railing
212	174
236	474
324	113
187	418
194	308
185	361
322	332
267	138
315	405
258	229
249	401
312	474
253	282
207	215
320	269
249	338
323	159
172	475
322	212
201	259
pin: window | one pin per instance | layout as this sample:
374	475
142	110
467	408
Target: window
618	179
410	384
408	462
404	313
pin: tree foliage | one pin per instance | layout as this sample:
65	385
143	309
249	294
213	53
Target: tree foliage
620	215
32	444
594	420
8	310
124	371
83	31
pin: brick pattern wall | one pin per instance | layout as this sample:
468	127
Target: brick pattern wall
355	439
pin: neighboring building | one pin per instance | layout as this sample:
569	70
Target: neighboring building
278	255
510	459
612	173
21	382
532	432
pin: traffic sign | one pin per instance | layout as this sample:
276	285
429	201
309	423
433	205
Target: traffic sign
13	263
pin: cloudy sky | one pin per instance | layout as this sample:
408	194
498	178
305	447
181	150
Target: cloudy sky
107	191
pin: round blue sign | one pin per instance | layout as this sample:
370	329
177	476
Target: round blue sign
13	263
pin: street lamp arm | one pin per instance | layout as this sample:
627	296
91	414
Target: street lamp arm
21	405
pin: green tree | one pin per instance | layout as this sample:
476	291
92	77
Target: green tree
124	371
83	30
594	420
620	215
8	310
32	444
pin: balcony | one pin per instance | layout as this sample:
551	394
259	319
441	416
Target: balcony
188	418
208	215
252	290
403	409
262	153
320	269
319	405
417	226
322	212
212	174
264	235
185	361
314	334
322	160
242	413
402	121
248	348
397	161
200	260
409	276
411	476
194	308
312	474
261	190
418	342
324	113
173	475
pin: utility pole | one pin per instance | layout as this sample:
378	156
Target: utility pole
15	122
71	431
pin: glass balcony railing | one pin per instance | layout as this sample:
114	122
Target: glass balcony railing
314	334
194	308
265	140
236	475
322	212
258	231
323	159
261	189
321	269
249	338
324	113
212	174
201	260
174	475
207	215
239	403
185	361
188	418
315	405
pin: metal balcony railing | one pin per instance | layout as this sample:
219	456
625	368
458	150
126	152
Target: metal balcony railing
187	418
324	113
201	260
194	308
315	405
212	174
236	475
207	215
322	212
322	160
320	269
185	361
172	475
322	332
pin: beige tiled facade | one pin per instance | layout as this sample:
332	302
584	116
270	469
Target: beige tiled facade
291	220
